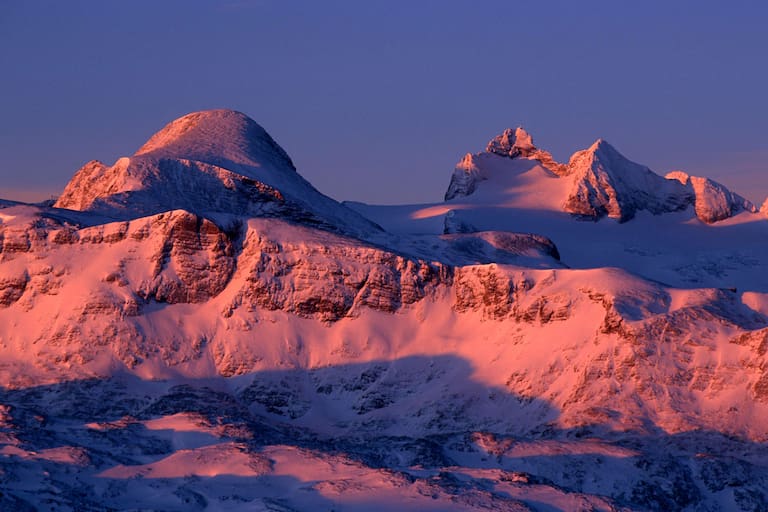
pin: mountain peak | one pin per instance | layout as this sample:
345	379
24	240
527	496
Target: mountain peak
512	143
213	161
606	183
604	152
219	137
604	147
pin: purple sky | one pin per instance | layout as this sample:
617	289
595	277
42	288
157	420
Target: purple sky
377	101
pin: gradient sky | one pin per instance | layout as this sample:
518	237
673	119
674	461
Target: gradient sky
377	101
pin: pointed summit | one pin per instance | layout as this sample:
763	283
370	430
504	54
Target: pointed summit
606	183
518	143
515	144
603	150
602	145
512	143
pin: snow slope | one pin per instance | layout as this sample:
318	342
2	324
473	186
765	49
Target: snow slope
600	210
596	182
171	339
217	161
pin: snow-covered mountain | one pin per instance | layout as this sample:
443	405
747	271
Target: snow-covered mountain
601	210
198	328
713	202
217	161
596	182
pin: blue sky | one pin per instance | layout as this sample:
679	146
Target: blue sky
377	101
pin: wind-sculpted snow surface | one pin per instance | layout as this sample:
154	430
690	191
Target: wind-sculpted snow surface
259	351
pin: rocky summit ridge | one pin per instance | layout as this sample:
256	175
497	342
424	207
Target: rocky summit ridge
601	182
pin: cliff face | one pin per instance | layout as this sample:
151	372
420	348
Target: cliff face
713	202
242	336
199	306
86	286
175	287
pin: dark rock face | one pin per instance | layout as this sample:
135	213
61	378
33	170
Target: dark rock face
329	281
501	294
12	288
193	264
500	246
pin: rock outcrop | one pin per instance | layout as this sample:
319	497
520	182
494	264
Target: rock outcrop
713	201
510	144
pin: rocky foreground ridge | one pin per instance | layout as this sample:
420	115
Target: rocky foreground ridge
198	319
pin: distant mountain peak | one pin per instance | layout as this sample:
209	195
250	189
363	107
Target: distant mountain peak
213	161
606	183
512	143
219	137
601	149
602	145
713	201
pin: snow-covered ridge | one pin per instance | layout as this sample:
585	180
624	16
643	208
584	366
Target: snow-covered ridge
198	328
604	183
714	202
217	161
599	182
516	143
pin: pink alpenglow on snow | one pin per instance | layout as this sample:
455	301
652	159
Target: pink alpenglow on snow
197	327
